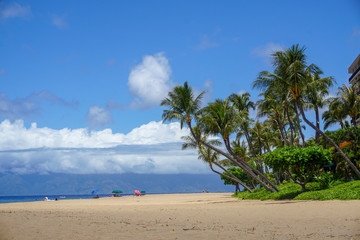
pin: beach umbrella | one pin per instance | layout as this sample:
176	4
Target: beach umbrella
117	191
95	192
137	192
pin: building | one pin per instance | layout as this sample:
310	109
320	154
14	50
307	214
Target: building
354	70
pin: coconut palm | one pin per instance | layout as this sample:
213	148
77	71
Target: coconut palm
292	62
272	108
209	156
334	115
314	97
185	107
221	118
273	85
350	102
242	104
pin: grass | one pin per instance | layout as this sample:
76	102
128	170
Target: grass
344	191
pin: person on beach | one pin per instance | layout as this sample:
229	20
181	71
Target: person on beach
46	198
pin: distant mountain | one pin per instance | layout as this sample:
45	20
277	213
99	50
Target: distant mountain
35	184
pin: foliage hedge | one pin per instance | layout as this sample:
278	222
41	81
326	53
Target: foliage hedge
344	191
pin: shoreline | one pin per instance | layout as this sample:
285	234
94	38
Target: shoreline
180	216
40	197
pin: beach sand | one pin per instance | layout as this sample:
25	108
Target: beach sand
180	216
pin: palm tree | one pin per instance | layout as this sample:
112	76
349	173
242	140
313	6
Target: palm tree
240	149
184	106
273	85
242	105
335	114
349	101
221	118
314	97
272	108
293	62
209	156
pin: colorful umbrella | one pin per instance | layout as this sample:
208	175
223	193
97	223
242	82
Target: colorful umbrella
117	191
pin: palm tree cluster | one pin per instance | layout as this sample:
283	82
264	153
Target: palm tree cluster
286	93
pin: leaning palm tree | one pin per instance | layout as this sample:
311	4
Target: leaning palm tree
185	107
209	156
221	118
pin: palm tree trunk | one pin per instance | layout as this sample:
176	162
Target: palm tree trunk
317	135
353	167
240	164
299	126
353	120
291	126
282	132
231	176
251	168
249	141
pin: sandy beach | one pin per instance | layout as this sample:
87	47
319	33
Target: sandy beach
180	216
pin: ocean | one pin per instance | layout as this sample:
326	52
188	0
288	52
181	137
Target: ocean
34	198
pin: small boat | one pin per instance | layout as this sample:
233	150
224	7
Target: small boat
62	197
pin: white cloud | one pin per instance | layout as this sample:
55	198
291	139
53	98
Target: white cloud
15	136
14	10
264	52
149	82
152	148
98	117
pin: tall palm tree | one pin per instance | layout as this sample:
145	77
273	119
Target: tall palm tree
314	97
221	118
242	104
292	62
272	108
273	85
185	107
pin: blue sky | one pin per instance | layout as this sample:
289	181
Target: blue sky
89	75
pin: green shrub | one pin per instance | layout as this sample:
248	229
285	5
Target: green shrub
342	191
299	164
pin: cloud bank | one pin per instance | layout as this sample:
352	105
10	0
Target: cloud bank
151	148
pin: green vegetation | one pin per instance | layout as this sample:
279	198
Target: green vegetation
261	155
300	164
344	191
